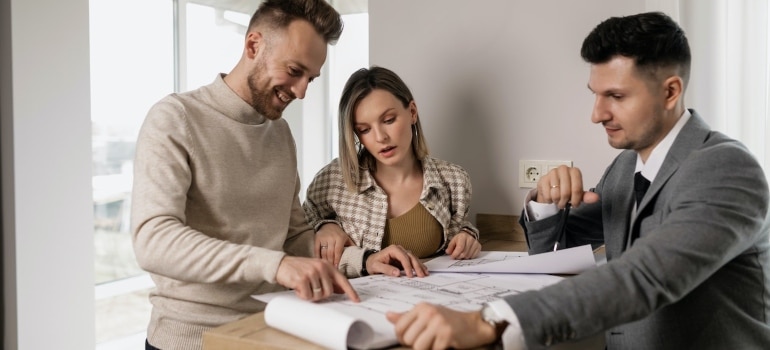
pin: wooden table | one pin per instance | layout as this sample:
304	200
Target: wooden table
498	233
253	333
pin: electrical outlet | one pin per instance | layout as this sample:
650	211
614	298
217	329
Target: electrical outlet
530	171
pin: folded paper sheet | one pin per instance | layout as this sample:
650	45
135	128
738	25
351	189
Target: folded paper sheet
331	328
338	323
566	261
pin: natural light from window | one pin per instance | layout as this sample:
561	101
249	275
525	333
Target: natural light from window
133	65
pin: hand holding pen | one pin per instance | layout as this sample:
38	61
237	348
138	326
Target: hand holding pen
561	227
564	186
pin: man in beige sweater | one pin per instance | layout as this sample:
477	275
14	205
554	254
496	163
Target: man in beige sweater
216	215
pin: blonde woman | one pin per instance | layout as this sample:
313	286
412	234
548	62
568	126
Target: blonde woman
385	203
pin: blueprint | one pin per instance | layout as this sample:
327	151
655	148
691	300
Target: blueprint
338	323
565	261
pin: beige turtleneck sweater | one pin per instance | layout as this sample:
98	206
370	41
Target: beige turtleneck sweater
214	208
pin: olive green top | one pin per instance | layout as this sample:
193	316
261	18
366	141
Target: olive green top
416	230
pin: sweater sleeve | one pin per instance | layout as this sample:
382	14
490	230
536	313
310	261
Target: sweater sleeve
299	242
163	243
351	261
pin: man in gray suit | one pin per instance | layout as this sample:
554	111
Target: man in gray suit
687	265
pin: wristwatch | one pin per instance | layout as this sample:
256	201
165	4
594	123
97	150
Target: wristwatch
489	315
363	259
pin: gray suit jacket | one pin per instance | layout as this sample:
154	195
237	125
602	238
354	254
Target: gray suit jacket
698	276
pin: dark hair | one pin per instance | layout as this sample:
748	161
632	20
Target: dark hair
652	39
279	13
360	84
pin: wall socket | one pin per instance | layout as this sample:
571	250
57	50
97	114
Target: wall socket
530	171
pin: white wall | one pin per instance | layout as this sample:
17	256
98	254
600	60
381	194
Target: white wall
497	81
48	272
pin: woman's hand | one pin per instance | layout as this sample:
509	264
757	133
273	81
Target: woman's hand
391	260
463	246
330	241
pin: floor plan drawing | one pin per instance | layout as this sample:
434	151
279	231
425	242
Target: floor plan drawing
364	325
568	261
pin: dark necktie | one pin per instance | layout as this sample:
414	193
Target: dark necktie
641	184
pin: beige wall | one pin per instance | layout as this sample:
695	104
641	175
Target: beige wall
497	81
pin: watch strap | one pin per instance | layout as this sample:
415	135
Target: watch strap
367	253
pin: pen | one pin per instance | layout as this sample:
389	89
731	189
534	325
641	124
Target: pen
562	226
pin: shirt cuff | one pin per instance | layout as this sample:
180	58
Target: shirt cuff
513	337
534	211
320	223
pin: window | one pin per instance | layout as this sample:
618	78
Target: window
179	45
131	68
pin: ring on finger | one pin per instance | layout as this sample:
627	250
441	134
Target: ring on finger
317	290
554	186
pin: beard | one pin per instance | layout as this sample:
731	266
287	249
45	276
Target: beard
262	96
648	134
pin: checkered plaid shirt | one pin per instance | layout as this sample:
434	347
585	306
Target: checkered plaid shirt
362	214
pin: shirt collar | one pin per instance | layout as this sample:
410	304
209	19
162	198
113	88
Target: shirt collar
367	181
430	174
430	177
232	105
658	155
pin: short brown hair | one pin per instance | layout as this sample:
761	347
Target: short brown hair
278	14
653	40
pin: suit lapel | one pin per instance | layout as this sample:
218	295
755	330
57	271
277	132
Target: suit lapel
621	183
618	224
690	138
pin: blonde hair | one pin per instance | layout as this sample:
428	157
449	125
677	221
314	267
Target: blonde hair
354	158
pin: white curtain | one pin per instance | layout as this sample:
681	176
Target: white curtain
730	77
730	84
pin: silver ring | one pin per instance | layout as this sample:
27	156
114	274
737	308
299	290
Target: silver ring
324	247
555	186
317	290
